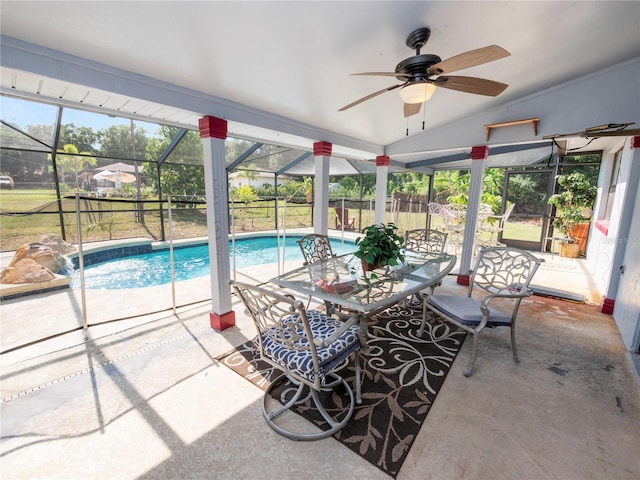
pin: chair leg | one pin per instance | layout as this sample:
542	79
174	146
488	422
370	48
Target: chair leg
474	353
424	318
513	344
334	424
358	380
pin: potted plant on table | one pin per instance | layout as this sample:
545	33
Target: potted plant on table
573	203
380	246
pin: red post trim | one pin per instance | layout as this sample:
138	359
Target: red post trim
479	152
463	280
603	226
222	322
212	127
635	142
607	305
322	149
382	161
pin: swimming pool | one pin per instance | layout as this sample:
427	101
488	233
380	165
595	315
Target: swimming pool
151	269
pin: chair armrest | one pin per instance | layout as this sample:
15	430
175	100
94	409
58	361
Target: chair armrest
325	342
484	305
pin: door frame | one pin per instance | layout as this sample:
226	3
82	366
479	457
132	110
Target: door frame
546	215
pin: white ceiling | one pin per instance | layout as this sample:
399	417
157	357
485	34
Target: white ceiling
292	60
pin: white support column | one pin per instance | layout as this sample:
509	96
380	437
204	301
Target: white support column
478	160
382	174
322	152
213	132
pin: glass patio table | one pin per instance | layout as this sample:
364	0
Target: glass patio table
341	281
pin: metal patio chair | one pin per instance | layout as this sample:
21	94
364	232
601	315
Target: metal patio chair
424	240
454	216
309	347
503	273
314	247
493	225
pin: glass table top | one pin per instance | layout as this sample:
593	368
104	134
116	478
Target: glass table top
341	280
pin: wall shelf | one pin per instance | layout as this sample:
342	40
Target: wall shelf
532	121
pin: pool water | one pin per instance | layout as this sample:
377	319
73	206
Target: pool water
153	269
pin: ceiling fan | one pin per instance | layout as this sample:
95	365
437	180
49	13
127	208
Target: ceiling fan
609	130
421	74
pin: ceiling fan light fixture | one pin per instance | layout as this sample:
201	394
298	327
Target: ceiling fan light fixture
417	92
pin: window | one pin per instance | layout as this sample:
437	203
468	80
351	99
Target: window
602	223
613	184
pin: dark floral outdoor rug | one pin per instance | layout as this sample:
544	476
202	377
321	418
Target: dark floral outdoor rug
401	377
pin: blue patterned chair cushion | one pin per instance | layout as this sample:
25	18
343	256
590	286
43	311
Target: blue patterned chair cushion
300	361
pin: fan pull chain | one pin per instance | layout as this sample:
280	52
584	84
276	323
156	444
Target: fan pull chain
424	113
407	134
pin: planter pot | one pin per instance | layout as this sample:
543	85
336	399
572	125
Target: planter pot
569	250
580	233
367	267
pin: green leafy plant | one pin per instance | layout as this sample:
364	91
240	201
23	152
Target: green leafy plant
308	188
573	202
381	245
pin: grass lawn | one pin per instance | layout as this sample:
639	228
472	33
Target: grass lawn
25	200
35	213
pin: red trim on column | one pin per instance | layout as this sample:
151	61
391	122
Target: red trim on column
603	226
479	152
382	161
322	149
212	127
463	280
222	322
607	305
635	142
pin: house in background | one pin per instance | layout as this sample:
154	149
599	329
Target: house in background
255	180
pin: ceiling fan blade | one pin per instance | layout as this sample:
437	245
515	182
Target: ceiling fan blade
383	74
411	109
468	59
479	86
370	96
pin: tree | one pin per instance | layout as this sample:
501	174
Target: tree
84	138
123	141
69	160
245	194
182	173
452	186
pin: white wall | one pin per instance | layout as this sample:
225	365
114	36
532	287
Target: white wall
607	253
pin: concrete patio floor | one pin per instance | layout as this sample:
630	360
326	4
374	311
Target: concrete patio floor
145	398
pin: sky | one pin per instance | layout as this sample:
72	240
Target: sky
25	112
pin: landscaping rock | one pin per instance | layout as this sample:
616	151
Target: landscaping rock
26	270
57	244
41	254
